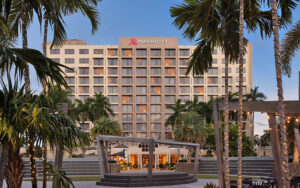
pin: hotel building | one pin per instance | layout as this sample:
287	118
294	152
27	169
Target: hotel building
141	76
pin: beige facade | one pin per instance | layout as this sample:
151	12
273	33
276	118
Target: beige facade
142	75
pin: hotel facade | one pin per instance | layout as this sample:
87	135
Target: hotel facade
141	76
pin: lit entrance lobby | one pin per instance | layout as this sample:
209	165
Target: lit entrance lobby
137	157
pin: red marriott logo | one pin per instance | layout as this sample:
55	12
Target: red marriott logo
132	41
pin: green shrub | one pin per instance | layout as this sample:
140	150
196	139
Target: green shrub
183	160
111	161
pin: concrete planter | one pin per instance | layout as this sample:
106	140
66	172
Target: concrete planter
113	168
185	167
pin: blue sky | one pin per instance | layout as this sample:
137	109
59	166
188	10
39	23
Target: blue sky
152	18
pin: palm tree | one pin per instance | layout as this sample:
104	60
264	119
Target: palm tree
99	107
194	105
177	110
289	46
255	95
106	126
216	24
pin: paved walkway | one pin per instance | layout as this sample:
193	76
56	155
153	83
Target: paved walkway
92	184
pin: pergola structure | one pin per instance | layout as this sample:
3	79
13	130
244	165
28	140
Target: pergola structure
105	138
292	109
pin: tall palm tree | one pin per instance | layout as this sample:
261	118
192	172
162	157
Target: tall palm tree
194	105
255	95
289	46
99	107
106	126
177	110
216	24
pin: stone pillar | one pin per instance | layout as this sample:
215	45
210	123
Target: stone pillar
151	152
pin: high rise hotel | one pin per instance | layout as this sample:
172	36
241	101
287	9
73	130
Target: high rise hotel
141	76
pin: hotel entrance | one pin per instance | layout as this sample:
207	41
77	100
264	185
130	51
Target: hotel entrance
145	161
162	162
134	161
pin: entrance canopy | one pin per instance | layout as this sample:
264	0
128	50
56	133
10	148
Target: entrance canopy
106	138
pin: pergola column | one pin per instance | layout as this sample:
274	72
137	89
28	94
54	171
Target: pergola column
274	136
219	145
196	162
102	158
150	161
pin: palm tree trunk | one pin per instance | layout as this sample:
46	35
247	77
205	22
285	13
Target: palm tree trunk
13	171
27	89
59	156
3	160
44	90
240	136
226	121
284	145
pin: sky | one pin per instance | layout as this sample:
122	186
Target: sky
151	18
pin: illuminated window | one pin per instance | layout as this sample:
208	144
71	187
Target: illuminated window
98	80
83	89
169	62
199	89
155	52
83	80
113	99
69	51
155	62
83	71
184	52
155	90
98	71
212	80
127	99
141	62
54	51
70	80
112	80
83	51
141	99
155	99
112	71
141	108
141	71
98	61
112	61
170	52
170	71
141	52
141	80
155	80
112	52
127	52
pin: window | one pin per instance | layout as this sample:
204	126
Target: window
184	98
237	89
170	89
127	134
126	99
223	70
127	71
98	71
98	80
113	89
184	80
155	117
54	51
212	71
83	71
198	80
141	80
212	80
126	89
199	89
98	61
141	135
155	52
155	108
141	108
170	71
170	99
114	107
127	107
141	62
126	117
141	99
167	110
126	62
229	80
113	99
112	80
155	126
184	61
212	89
98	89
169	62
141	126
155	99
155	62
170	52
238	70
126	80
200	98
169	80
141	90
156	135
112	71
184	89
83	80
127	52
83	51
141	52
69	61
214	61
127	126
69	51
69	70
229	89
84	60
155	80
244	62
184	52
155	71
83	97
70	80
155	90
112	52
237	79
141	71
83	89
98	51
57	60
112	61
182	71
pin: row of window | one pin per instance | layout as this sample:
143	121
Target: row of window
142	127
